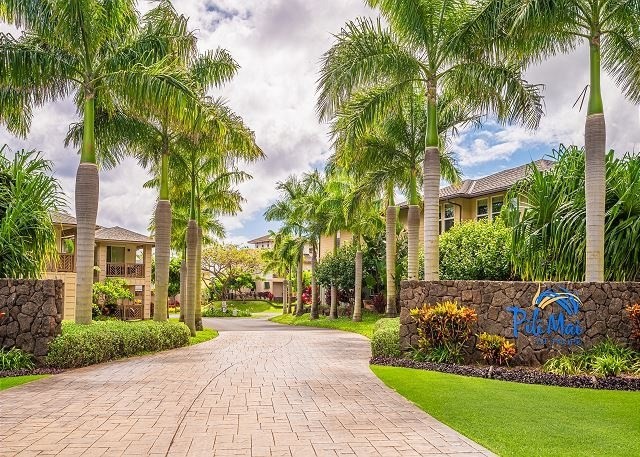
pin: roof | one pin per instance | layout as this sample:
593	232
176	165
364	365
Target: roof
121	234
497	182
262	239
62	218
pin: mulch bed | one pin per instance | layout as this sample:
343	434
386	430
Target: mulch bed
26	372
517	374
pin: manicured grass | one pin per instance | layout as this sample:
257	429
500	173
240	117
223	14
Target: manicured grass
6	383
514	419
253	306
202	336
342	323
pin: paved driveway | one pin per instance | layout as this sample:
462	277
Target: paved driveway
259	389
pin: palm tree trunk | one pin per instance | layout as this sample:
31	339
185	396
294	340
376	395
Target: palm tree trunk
595	174
285	295
431	191
413	225
183	286
86	194
192	242
198	302
333	310
299	305
87	185
390	224
163	257
357	307
314	284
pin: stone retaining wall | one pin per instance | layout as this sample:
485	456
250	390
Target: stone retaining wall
30	313
540	332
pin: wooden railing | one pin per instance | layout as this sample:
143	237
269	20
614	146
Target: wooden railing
125	270
65	263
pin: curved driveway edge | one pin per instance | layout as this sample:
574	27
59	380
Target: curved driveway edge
259	389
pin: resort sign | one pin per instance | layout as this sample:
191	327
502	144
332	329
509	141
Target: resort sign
553	318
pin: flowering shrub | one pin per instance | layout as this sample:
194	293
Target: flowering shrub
443	330
306	295
634	316
266	295
496	349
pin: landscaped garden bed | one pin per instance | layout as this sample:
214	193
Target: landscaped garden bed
240	308
364	327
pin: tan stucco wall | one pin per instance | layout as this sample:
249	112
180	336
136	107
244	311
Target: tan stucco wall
69	280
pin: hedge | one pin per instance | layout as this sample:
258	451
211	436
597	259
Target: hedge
82	345
385	341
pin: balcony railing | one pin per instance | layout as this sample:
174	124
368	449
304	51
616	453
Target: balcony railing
65	264
125	270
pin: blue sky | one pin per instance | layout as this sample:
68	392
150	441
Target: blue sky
278	44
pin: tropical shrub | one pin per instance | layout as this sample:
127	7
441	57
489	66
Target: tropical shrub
385	341
15	359
479	250
82	345
214	311
28	195
443	330
107	293
495	349
549	235
606	358
634	316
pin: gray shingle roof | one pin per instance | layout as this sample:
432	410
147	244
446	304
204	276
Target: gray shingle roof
121	234
62	218
497	182
262	239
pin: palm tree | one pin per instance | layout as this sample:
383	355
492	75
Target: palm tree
389	155
535	30
151	135
97	51
297	208
281	260
427	47
347	206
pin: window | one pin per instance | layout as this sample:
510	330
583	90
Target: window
482	209
267	285
496	206
440	219
449	215
115	254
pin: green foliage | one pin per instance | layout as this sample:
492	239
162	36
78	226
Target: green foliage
549	236
15	359
604	359
81	345
443	330
109	291
365	327
28	195
174	275
339	268
495	349
214	311
476	250
385	341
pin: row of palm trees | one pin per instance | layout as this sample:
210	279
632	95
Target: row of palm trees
141	88
455	63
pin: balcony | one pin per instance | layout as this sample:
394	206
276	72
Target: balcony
65	264
125	270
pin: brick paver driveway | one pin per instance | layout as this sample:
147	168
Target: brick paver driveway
259	389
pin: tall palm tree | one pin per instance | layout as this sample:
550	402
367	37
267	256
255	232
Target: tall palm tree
372	66
389	155
151	135
347	206
297	208
98	51
281	259
537	29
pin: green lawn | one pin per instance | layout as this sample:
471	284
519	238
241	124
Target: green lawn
201	336
342	323
6	383
513	419
253	306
